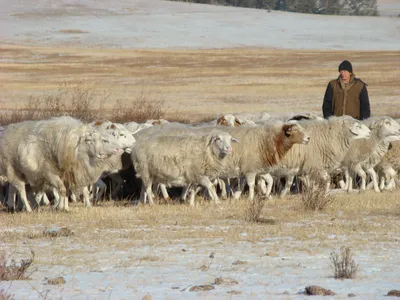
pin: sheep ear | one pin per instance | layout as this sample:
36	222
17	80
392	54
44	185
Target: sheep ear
213	139
234	140
237	122
98	123
374	124
288	129
220	120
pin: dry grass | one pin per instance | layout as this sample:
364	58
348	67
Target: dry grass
353	215
343	265
5	296
14	271
198	83
73	31
139	110
254	210
313	196
84	102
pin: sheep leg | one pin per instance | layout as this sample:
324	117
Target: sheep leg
185	191
373	175
262	185
205	181
382	181
56	198
20	187
228	186
143	196
240	188
149	193
222	185
38	198
192	193
57	183
146	193
266	182
251	180
11	197
288	184
73	197
86	197
391	174
348	179
164	192
2	199
360	172
45	199
99	188
117	179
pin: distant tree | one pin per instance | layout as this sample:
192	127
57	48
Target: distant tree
329	7
360	7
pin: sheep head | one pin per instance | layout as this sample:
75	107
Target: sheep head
296	133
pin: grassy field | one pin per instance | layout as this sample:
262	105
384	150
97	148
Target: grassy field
197	83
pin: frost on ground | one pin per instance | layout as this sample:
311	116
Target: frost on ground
175	252
165	24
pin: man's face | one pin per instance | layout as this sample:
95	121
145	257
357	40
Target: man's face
345	75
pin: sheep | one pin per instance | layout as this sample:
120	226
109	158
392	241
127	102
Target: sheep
60	153
329	144
230	120
181	160
389	166
136	127
125	140
365	154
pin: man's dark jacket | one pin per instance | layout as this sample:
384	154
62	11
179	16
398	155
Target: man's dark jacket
352	102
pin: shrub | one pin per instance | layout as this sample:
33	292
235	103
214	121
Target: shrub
254	210
15	271
313	196
75	100
343	264
139	110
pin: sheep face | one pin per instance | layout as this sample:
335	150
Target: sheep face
296	133
387	128
123	138
229	120
358	129
221	144
98	146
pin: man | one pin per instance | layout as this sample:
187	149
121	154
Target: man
346	95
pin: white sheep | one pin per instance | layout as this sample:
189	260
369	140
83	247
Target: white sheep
181	160
389	167
330	141
57	153
364	154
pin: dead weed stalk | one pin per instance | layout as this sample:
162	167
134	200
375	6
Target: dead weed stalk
314	196
15	271
343	264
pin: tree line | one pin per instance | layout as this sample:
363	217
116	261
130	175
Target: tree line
329	7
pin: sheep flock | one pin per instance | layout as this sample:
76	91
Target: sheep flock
63	160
